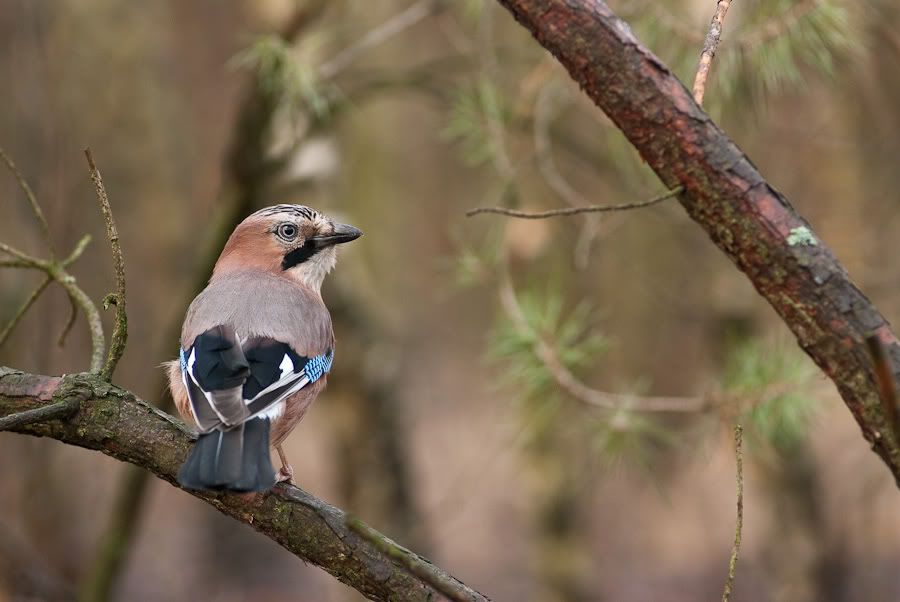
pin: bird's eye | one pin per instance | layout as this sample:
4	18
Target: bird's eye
287	232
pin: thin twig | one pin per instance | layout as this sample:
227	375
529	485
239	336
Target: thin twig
95	324
56	270
32	262
32	200
120	330
543	148
577	210
414	564
15	263
73	315
80	246
884	378
570	383
51	411
396	24
709	49
24	308
739	525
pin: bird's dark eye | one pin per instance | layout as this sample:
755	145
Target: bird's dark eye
287	232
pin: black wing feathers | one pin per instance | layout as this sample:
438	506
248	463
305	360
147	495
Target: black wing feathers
220	364
265	357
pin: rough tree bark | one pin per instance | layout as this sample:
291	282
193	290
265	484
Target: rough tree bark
750	221
115	422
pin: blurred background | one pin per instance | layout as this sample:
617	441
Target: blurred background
494	400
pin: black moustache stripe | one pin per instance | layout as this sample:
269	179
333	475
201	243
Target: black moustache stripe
299	255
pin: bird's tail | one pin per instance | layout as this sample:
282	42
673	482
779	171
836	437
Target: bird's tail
232	460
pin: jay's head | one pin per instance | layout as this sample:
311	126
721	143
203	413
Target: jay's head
291	240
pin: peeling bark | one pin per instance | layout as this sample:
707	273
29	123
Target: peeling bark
750	221
115	422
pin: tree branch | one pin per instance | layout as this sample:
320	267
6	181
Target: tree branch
120	330
710	45
750	221
115	422
32	200
739	523
576	210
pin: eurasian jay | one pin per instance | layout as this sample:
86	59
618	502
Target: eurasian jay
256	347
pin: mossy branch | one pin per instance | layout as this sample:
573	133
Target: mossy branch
113	421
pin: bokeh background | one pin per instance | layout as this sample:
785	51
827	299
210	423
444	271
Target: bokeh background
441	426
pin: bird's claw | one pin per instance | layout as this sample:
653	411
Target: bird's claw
285	474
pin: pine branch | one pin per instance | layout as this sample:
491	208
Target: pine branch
569	383
751	222
115	422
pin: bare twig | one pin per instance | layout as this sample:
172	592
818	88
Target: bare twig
55	270
416	565
73	316
24	308
22	257
739	525
396	24
77	251
576	210
51	411
120	330
32	200
14	263
95	325
570	383
710	44
884	377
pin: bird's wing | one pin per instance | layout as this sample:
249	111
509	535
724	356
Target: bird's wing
269	372
214	370
277	371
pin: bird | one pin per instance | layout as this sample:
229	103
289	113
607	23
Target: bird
256	347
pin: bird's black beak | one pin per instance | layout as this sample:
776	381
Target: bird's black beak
342	233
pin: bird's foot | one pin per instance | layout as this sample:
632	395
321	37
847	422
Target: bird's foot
285	474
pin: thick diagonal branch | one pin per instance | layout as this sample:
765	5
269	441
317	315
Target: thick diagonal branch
115	422
750	221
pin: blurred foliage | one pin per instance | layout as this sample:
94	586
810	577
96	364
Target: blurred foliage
768	46
476	110
568	333
280	73
630	439
773	379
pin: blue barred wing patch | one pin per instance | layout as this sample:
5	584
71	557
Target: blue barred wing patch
319	365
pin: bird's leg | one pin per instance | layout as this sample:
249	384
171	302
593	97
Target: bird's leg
285	473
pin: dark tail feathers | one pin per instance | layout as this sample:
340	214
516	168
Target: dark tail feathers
233	460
